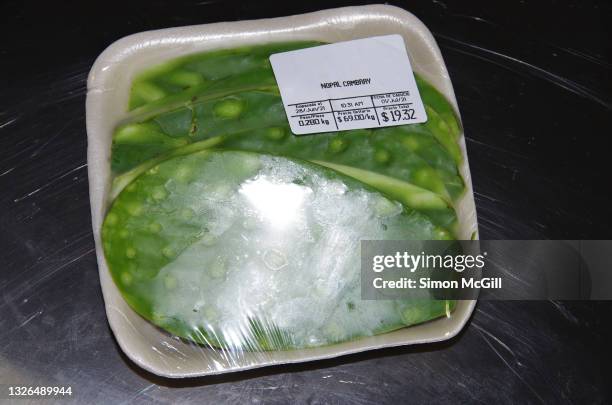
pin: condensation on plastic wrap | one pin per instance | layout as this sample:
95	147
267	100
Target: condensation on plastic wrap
226	243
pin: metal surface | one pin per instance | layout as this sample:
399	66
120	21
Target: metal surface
532	81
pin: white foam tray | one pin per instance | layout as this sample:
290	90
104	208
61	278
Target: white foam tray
107	100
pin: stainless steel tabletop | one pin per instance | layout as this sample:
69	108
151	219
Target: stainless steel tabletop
533	84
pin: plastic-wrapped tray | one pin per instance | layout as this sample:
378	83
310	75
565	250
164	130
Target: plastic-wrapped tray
107	100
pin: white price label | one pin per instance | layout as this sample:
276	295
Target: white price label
365	83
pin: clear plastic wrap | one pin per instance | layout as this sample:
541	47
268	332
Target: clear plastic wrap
224	241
